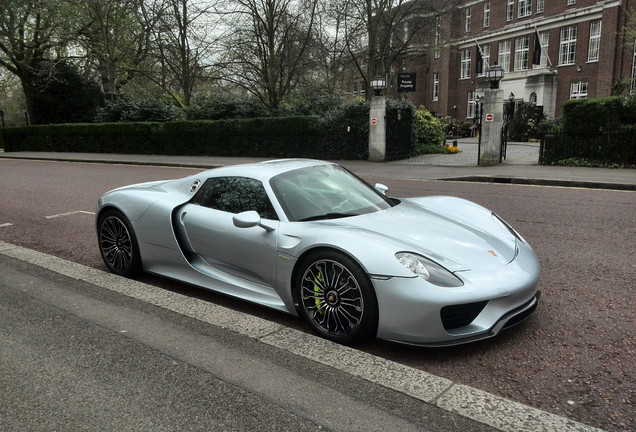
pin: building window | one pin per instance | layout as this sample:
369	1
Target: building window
485	58
487	14
578	90
467	23
522	45
510	10
544	38
470	111
571	2
504	55
540	6
435	86
567	47
438	35
465	64
595	41
524	8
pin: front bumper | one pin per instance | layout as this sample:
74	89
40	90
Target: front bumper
411	310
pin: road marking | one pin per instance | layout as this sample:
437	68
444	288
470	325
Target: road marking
69	214
4	225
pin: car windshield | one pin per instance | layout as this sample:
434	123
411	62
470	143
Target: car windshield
325	192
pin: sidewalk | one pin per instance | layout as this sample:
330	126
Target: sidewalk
520	167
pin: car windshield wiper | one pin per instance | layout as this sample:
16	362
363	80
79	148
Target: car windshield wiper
328	216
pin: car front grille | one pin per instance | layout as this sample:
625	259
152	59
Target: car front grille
461	315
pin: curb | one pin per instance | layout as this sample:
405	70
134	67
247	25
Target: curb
498	412
544	182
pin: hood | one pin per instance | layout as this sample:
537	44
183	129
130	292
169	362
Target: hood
453	242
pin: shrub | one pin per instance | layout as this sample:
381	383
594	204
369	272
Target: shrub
224	106
455	128
121	108
429	135
525	124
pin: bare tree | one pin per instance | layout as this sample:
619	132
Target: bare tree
185	34
381	32
112	34
30	33
268	52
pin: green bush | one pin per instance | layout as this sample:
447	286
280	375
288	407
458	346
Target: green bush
345	131
429	135
597	132
224	106
525	124
455	128
121	108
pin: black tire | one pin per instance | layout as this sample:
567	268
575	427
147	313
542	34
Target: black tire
336	298
118	244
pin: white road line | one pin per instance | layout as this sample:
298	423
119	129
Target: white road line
4	225
69	213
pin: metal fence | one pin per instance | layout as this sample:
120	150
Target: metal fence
603	147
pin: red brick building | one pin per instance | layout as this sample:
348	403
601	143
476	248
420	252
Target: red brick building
582	53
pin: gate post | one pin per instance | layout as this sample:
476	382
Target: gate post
490	137
377	129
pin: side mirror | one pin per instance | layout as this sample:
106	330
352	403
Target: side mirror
249	219
381	188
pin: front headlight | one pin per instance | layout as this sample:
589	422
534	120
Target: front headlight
428	270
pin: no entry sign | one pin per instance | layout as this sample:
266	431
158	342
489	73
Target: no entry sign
490	117
374	121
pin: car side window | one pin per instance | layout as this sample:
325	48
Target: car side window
235	195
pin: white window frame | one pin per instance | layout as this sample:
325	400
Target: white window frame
503	58
567	46
522	48
578	90
570	2
544	38
540	6
524	8
438	35
435	86
471	106
510	10
467	22
594	49
465	64
487	14
485	58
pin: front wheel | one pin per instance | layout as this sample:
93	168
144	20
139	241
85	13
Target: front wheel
118	244
336	297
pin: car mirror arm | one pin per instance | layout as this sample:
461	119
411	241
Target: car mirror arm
249	219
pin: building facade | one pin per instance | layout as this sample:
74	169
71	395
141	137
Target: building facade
551	51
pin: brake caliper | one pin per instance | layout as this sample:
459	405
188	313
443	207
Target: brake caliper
318	279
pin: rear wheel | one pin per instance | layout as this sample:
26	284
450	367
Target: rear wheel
118	244
336	298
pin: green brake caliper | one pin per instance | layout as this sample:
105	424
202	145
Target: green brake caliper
317	279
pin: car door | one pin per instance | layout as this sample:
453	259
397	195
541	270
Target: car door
210	234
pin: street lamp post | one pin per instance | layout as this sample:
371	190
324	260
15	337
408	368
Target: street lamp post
492	103
377	122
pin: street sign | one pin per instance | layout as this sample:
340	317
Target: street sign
374	121
490	117
406	82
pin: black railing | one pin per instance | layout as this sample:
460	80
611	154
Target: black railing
601	147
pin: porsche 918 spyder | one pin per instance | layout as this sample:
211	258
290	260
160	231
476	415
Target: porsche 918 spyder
312	239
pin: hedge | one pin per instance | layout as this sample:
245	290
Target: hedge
595	131
304	136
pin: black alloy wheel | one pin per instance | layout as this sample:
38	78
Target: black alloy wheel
337	298
118	244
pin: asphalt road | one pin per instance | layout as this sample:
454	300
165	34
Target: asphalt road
574	357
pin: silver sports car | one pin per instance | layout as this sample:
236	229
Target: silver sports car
312	239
